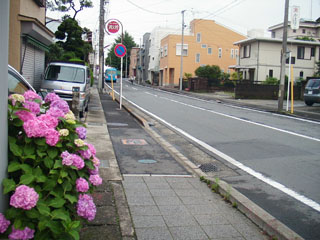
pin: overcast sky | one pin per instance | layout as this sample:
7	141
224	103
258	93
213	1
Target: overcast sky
141	16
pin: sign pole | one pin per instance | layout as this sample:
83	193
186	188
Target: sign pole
121	83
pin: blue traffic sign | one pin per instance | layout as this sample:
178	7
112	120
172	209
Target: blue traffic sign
120	50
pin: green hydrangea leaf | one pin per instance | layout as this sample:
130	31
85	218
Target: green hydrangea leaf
15	149
17	223
55	227
57	202
26	168
32	213
27	179
74	234
14	166
41	153
29	149
40	141
57	164
74	224
8	185
52	152
43	208
48	162
49	184
60	214
72	199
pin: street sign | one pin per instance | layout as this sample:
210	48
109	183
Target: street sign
113	27
120	50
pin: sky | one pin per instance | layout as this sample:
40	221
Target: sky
141	16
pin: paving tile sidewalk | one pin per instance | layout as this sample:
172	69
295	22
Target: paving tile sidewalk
165	208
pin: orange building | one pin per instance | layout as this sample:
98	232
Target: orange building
208	43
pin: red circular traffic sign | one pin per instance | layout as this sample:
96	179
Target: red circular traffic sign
120	50
113	27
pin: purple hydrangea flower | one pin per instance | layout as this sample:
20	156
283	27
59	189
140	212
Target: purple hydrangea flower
24	234
50	97
82	132
77	161
60	104
32	106
66	158
49	120
24	197
52	136
55	112
95	180
94	171
86	154
82	185
31	95
92	149
96	161
86	207
4	223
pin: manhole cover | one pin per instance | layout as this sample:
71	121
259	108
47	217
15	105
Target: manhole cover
117	124
208	167
134	142
147	161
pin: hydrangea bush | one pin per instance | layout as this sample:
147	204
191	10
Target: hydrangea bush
51	169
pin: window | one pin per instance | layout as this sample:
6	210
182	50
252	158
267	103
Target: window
273	34
301	74
300	52
293	60
198	58
232	53
198	37
270	73
294	30
161	52
246	51
237	52
178	49
303	31
203	45
220	52
165	50
313	51
209	50
15	84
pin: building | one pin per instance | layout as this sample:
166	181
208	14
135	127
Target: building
306	29
145	57
29	38
154	51
260	58
133	62
208	43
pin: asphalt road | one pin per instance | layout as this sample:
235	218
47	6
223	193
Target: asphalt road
276	158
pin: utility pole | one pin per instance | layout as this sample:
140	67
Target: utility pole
283	57
181	61
140	66
101	50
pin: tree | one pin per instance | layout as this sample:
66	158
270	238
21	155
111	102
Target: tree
112	60
71	44
212	73
317	73
69	5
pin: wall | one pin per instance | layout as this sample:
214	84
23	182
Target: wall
213	35
30	8
14	35
4	29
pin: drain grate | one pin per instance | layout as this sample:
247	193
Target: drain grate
208	167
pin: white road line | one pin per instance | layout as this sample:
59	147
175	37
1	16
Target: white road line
134	88
279	186
151	94
243	120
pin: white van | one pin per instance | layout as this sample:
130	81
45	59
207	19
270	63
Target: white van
62	77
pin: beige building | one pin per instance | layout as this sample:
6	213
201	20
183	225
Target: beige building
209	43
133	62
260	58
29	38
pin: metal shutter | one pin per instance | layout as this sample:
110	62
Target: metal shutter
38	67
28	63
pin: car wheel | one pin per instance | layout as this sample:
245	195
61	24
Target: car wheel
308	103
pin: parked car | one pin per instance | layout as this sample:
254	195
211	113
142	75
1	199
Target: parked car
312	91
63	77
16	82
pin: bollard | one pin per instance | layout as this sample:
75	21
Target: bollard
75	101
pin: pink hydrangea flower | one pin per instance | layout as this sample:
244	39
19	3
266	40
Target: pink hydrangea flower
86	207
31	95
96	161
94	171
86	154
24	197
35	128
52	136
50	97
49	120
4	223
25	115
92	149
95	180
24	234
82	185
82	132
55	112
77	161
66	158
32	106
60	104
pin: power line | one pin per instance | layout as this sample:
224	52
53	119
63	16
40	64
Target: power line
146	10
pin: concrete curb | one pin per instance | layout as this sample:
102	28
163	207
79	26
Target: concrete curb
259	216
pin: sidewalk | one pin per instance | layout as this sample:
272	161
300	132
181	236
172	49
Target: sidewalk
153	206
